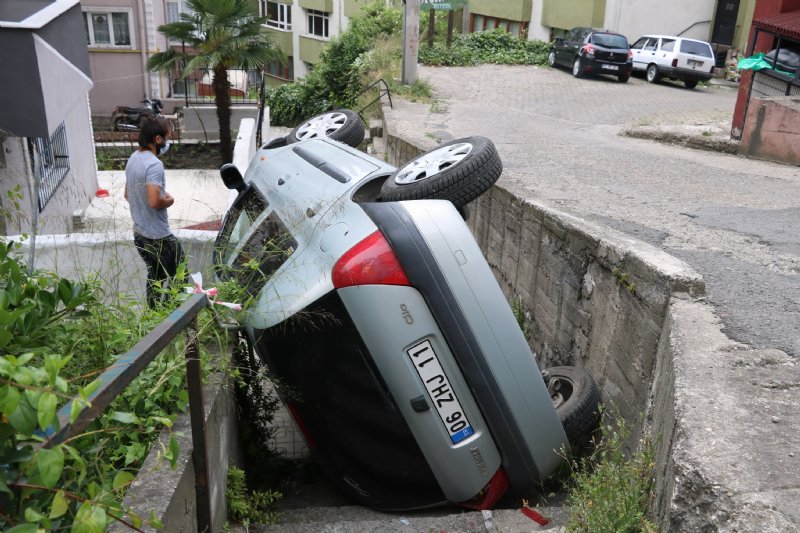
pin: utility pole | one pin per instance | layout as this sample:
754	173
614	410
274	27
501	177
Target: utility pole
410	41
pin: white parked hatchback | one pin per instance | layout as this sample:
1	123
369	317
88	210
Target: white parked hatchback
677	58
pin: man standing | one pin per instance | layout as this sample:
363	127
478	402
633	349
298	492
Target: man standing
149	200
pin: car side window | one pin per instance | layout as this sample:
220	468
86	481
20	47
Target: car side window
651	44
638	45
668	45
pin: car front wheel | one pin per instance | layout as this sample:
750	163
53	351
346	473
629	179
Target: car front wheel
551	58
341	125
577	401
577	69
652	74
458	171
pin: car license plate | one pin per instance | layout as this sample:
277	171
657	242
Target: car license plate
694	63
609	67
426	363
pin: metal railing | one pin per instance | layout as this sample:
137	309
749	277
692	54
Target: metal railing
51	160
197	87
384	91
129	366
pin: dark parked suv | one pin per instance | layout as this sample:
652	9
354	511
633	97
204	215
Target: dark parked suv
587	50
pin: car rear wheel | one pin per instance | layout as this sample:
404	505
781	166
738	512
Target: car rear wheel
690	84
577	400
577	69
652	74
623	78
341	125
458	171
551	58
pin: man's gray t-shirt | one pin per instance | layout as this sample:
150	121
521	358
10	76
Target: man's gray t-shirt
145	168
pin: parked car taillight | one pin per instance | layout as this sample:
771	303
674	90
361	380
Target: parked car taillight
588	49
370	262
630	53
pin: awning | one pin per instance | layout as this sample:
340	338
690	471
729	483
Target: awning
787	24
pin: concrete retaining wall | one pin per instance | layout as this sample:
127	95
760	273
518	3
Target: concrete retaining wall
636	319
770	129
113	258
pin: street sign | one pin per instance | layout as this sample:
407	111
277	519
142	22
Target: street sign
441	5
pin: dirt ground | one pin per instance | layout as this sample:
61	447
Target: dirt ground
180	156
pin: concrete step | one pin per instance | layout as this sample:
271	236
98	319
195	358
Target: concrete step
357	519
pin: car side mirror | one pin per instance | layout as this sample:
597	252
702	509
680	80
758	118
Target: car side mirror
231	177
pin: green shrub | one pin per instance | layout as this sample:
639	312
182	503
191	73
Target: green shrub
56	336
610	489
491	46
338	77
250	506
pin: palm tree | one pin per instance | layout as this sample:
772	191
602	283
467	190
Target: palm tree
219	35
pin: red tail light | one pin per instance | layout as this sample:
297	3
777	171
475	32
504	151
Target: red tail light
675	62
490	494
588	49
370	262
630	53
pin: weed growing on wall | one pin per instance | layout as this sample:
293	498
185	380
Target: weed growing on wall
611	490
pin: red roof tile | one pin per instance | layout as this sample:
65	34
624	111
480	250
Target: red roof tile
783	23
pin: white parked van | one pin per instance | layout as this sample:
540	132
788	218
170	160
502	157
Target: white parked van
677	58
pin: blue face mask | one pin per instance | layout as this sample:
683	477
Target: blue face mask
162	149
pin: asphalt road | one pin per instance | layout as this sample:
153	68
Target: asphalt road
734	220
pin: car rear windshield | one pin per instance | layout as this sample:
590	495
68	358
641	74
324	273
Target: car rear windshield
609	40
696	48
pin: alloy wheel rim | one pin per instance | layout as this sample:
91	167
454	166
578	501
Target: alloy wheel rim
432	163
321	126
576	66
551	58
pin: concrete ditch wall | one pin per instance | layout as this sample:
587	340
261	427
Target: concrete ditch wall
636	319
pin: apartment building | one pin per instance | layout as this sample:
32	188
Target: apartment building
301	29
721	22
47	161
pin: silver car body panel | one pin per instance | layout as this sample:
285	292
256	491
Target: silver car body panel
461	469
444	262
326	225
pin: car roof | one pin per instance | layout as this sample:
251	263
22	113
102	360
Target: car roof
672	37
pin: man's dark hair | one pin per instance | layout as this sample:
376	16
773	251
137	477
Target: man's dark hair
151	128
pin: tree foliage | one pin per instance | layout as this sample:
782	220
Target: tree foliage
337	79
219	35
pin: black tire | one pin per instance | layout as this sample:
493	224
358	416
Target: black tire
577	401
623	78
340	125
690	84
466	168
115	122
577	68
551	58
652	74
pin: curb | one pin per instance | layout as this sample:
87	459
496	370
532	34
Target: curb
712	143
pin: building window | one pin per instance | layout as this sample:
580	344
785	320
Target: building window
278	15
105	29
51	159
482	23
318	23
279	69
173	12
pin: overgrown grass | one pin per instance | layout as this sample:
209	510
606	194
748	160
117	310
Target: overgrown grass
610	490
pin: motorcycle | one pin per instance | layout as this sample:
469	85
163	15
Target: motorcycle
127	118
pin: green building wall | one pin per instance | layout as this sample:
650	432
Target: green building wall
517	10
566	14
